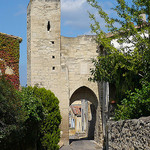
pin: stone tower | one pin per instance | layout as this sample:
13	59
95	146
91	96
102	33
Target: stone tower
43	44
61	64
43	53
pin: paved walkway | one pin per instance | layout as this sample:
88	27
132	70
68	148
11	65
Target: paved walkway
82	145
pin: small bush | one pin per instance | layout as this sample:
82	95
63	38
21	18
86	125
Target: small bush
50	132
136	105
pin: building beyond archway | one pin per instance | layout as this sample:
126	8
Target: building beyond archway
85	94
60	64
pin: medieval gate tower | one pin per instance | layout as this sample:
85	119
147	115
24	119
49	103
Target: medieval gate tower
60	64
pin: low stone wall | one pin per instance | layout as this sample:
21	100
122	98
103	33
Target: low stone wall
129	134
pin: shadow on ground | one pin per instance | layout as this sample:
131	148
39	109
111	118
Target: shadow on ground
72	140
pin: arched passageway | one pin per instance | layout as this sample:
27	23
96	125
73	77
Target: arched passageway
83	106
84	93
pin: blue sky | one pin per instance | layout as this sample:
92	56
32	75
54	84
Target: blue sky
74	22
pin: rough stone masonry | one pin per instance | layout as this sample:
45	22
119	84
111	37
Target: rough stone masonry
129	134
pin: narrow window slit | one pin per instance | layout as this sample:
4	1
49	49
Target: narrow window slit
53	57
48	26
53	68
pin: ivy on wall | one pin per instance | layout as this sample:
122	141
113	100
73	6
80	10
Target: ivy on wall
9	57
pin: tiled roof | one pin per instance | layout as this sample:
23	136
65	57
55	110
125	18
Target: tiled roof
76	109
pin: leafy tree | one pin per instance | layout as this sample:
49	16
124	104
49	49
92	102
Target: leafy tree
136	104
126	66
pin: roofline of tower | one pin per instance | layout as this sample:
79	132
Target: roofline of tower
43	0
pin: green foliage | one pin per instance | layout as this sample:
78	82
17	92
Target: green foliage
115	68
50	132
10	45
31	105
11	115
21	114
136	104
28	117
34	114
123	67
10	106
9	56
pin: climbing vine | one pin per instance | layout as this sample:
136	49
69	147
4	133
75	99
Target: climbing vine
9	57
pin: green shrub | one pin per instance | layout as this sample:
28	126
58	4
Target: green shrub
34	114
27	118
50	132
136	105
42	118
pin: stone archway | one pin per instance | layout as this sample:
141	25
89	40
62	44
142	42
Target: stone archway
85	93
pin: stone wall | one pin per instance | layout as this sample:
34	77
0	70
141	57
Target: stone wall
60	64
76	57
129	134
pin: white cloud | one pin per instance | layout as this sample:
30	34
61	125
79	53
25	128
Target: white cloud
74	14
71	5
75	18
